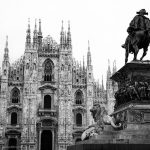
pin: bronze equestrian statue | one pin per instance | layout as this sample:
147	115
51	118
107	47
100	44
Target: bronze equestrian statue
139	35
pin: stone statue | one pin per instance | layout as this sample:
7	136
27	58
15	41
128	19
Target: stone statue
139	35
101	118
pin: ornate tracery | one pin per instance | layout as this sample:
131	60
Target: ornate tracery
48	70
15	95
79	97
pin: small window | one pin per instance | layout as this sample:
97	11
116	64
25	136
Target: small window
34	66
13	118
5	72
27	66
47	102
78	119
90	75
62	67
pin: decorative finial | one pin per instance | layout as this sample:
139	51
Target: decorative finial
69	25
108	62
102	83
28	24
35	24
62	27
39	25
88	46
83	61
7	41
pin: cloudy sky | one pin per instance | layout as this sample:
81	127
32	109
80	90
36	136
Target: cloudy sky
103	23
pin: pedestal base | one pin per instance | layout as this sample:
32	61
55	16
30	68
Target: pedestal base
109	147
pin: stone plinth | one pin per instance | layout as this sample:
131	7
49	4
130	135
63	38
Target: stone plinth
109	147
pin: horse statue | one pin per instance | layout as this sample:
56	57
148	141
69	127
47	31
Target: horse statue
140	39
139	35
101	118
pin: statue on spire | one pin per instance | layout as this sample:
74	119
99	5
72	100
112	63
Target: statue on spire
139	35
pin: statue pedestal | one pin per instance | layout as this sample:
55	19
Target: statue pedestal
132	110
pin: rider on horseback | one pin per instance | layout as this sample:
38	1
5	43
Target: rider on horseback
139	24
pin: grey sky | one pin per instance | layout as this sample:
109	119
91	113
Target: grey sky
102	22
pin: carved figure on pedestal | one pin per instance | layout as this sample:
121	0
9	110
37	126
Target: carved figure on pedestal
101	118
148	92
133	93
139	35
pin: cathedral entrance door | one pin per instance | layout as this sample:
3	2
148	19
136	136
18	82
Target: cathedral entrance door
12	144
46	140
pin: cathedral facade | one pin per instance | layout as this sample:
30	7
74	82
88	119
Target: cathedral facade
46	96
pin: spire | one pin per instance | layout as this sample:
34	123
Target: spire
108	82
40	35
28	36
40	31
83	64
65	40
108	71
6	41
89	55
80	67
35	36
62	36
114	67
69	36
6	51
102	84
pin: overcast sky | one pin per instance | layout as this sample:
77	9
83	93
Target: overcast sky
102	22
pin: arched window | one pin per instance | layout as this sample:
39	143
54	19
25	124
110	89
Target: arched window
47	102
48	70
13	118
79	97
78	119
15	96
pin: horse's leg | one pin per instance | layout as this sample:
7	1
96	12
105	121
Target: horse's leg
126	53
126	56
144	53
136	50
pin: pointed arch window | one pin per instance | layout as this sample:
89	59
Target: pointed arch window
79	97
15	96
78	119
48	70
14	118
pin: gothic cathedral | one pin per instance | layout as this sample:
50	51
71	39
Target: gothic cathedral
46	96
